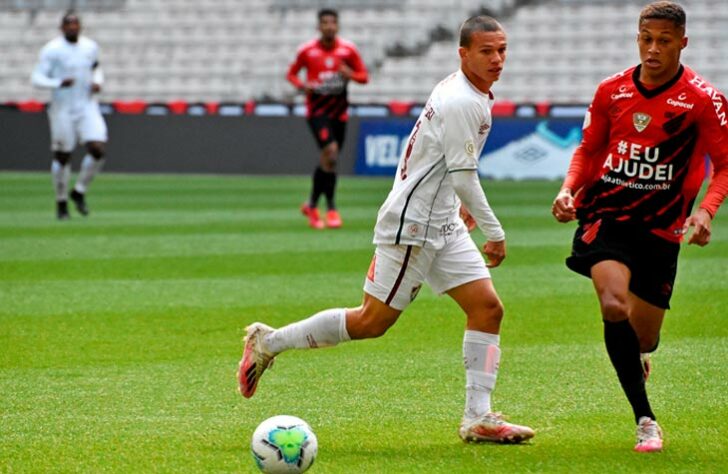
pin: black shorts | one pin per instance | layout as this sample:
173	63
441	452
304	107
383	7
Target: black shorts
327	130
651	259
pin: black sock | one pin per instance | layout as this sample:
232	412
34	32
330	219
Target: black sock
623	348
318	188
329	188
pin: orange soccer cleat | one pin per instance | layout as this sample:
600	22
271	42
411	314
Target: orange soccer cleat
333	219
314	219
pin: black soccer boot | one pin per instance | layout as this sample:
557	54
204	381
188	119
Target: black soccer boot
79	199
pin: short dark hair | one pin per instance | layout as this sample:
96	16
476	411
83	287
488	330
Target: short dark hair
70	16
664	10
475	24
327	12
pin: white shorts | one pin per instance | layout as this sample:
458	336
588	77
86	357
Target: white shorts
397	271
70	127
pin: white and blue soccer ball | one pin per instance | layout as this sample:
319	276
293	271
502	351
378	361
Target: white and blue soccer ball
284	444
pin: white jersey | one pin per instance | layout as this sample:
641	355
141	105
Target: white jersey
59	59
422	208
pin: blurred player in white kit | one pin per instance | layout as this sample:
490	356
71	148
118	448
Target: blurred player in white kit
69	66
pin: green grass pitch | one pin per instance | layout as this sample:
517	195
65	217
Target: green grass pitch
121	334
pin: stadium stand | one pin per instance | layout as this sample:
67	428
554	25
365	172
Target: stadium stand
202	51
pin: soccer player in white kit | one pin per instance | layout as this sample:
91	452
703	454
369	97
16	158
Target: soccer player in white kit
69	66
421	237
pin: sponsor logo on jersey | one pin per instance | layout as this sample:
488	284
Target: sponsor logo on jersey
446	230
587	120
413	229
641	120
483	128
429	112
623	94
679	102
470	148
715	97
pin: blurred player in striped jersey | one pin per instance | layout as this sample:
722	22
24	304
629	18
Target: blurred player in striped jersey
632	184
69	66
420	237
330	63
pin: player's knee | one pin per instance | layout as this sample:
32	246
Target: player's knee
614	308
330	157
96	150
649	342
493	311
330	164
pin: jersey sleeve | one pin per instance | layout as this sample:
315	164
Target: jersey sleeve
41	76
359	69
713	129
294	68
461	121
98	73
594	139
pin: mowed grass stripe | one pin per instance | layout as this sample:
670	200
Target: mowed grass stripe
199	243
181	267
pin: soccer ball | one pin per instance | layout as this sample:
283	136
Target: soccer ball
284	444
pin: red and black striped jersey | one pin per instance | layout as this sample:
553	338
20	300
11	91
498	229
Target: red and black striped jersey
642	156
329	96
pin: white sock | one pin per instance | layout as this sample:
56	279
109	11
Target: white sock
61	177
324	329
90	167
481	356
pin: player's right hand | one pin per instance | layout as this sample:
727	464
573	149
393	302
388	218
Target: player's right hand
495	252
563	207
68	82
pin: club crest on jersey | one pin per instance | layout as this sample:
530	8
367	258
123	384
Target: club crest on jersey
470	148
640	120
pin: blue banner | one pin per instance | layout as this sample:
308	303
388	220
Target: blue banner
517	148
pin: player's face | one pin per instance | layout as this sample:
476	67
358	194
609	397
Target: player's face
71	28
329	27
660	43
483	60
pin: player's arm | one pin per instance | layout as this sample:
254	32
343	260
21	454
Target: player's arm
461	123
713	131
97	79
293	71
41	76
467	186
354	69
594	139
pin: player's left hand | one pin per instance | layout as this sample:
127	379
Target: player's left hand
495	252
700	220
95	88
563	206
467	218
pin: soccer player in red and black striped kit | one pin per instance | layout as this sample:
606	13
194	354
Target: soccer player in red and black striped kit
632	184
330	63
